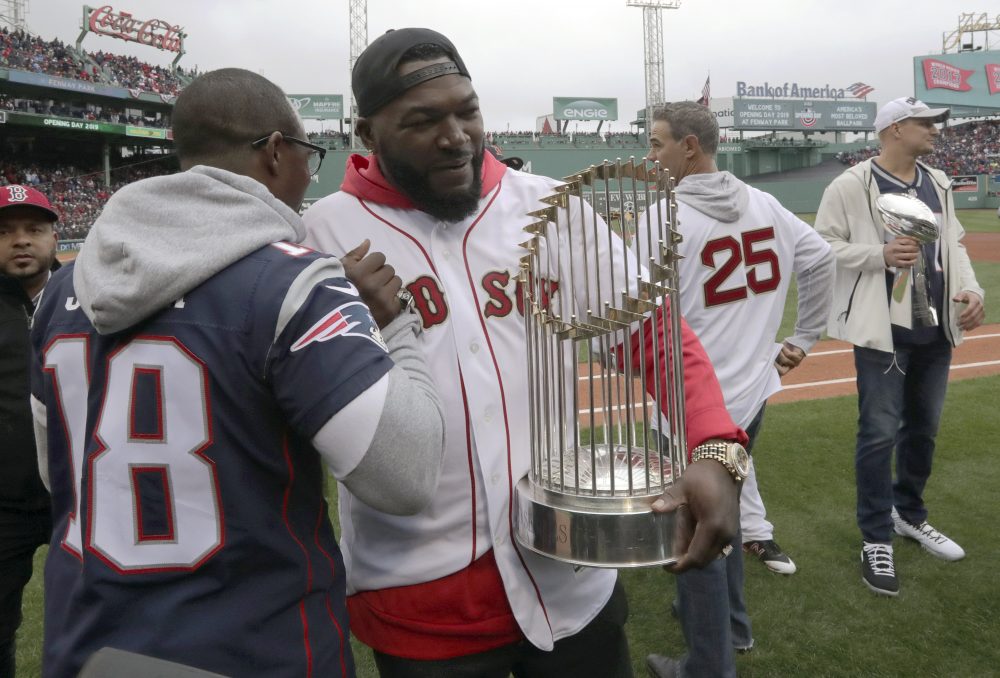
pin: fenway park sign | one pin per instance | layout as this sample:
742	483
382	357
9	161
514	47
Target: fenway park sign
152	32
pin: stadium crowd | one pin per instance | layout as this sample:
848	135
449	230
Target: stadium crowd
129	72
968	148
77	193
27	52
331	138
543	139
65	109
23	51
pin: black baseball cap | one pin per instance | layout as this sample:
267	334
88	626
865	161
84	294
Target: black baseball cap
375	79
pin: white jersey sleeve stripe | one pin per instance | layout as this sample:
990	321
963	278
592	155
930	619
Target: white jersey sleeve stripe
299	290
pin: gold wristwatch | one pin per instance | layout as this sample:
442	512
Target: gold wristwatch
729	454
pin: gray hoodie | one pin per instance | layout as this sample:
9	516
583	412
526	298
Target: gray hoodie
720	195
216	219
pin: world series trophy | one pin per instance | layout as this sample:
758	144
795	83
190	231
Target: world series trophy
607	436
909	216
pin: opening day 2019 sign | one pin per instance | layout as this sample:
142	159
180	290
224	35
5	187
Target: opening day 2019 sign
807	116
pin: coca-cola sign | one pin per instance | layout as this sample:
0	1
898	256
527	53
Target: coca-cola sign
153	32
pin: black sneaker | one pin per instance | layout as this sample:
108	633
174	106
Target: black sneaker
877	569
771	555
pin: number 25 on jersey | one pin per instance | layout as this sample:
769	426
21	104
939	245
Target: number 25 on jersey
763	273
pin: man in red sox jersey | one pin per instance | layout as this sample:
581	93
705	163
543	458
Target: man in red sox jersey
447	592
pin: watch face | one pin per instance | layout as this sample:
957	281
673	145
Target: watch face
741	460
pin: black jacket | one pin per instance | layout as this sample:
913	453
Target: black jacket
21	488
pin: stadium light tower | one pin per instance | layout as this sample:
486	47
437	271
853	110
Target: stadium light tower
652	40
359	40
13	14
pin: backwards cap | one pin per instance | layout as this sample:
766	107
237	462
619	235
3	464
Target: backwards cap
375	79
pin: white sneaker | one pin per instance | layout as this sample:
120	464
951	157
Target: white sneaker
933	541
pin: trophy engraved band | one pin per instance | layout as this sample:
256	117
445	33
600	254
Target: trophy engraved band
606	429
907	215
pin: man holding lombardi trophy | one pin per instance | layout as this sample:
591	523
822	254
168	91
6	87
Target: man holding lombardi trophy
902	352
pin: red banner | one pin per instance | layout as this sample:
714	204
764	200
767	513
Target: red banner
154	32
993	77
939	74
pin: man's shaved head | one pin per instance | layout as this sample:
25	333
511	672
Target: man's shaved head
222	111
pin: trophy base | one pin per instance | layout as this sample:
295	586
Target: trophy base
596	532
610	471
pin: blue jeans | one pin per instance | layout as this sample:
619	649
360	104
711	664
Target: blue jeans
712	608
900	398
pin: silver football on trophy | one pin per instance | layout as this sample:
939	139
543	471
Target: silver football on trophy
906	215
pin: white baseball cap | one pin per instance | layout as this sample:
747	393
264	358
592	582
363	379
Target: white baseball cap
907	107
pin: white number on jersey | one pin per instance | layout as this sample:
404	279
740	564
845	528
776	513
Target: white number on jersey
740	251
170	457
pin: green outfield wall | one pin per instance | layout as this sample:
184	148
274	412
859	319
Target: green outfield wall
797	195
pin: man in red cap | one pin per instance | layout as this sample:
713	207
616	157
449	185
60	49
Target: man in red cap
27	258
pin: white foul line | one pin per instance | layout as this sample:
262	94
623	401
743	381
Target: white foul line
789	387
838	351
827	382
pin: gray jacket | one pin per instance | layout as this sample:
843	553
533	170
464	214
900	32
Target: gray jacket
849	221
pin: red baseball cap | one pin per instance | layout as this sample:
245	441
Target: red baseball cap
16	195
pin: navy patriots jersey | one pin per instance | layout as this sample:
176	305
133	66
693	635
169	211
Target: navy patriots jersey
190	522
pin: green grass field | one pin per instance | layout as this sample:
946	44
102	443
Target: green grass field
822	621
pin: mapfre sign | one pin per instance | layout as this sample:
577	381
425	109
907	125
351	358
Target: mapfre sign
153	32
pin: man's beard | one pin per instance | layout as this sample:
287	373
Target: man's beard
415	186
21	273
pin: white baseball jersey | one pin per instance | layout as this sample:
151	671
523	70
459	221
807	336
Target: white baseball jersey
463	276
464	279
734	278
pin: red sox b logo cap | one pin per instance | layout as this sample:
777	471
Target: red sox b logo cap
17	195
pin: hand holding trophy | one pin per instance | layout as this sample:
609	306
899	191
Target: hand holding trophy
908	216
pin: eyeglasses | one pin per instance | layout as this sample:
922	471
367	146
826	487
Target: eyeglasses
316	153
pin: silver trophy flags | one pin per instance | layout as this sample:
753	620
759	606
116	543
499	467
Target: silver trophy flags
606	394
906	215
